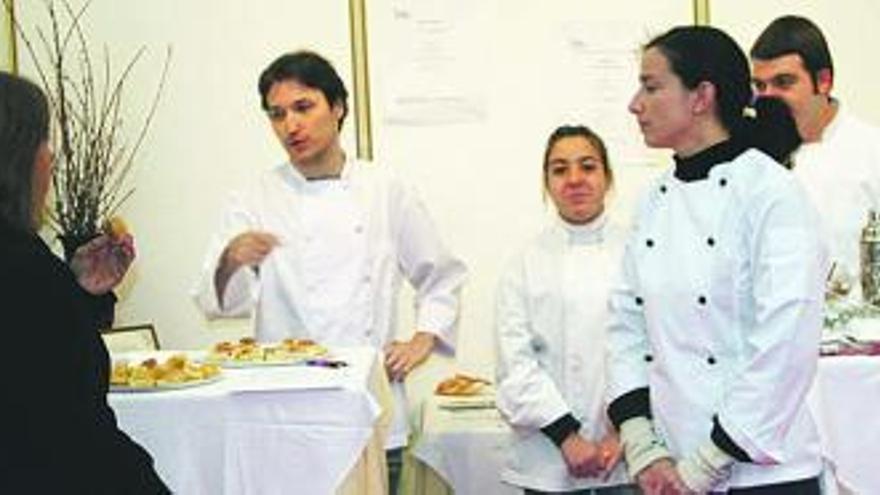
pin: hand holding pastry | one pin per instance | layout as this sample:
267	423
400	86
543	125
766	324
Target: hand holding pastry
100	264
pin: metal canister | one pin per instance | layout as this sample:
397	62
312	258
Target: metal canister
870	259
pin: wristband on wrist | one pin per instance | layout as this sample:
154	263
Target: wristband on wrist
641	445
705	468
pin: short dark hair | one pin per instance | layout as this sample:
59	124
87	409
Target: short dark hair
307	68
24	127
796	35
706	54
578	131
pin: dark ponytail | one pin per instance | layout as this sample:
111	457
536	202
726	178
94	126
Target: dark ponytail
772	130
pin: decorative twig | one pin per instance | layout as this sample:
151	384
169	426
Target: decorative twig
94	158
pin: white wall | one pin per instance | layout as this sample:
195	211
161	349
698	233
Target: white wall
480	179
208	135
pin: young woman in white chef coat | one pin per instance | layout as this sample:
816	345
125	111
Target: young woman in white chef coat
715	325
550	326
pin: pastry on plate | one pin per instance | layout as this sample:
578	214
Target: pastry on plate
461	385
178	370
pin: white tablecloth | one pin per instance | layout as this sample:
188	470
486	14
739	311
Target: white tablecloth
845	400
268	430
467	448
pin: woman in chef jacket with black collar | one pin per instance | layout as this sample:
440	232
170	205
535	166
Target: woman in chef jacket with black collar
550	326
715	325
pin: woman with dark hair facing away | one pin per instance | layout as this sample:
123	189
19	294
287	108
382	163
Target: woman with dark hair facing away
715	323
550	320
58	434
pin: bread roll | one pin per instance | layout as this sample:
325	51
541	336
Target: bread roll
115	227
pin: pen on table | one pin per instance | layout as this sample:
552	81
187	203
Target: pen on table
326	363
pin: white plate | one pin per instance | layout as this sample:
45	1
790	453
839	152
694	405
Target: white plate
453	403
289	360
259	363
230	363
165	386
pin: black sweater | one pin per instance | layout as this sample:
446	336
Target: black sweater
57	432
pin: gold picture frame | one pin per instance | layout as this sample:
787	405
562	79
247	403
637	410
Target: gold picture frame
131	338
8	41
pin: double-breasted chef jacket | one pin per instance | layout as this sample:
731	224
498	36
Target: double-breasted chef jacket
345	245
717	314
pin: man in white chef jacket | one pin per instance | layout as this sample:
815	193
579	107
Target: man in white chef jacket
839	161
318	245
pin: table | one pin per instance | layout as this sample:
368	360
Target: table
844	400
459	451
462	452
269	430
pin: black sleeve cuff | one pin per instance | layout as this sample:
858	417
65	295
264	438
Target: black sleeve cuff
723	441
560	429
630	405
102	310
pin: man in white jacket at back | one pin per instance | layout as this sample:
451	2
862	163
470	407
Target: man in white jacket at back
318	245
839	160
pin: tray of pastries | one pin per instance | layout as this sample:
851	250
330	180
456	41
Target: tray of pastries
247	352
152	375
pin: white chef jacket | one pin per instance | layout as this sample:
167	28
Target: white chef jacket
841	174
551	311
335	276
718	312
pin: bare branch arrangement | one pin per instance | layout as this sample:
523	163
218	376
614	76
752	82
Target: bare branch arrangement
86	100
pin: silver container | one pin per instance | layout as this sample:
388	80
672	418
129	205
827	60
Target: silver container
870	259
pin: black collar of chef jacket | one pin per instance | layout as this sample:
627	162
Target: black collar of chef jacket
697	167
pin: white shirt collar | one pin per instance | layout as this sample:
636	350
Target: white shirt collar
832	127
588	233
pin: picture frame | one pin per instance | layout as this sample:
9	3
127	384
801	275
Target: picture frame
128	338
8	40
